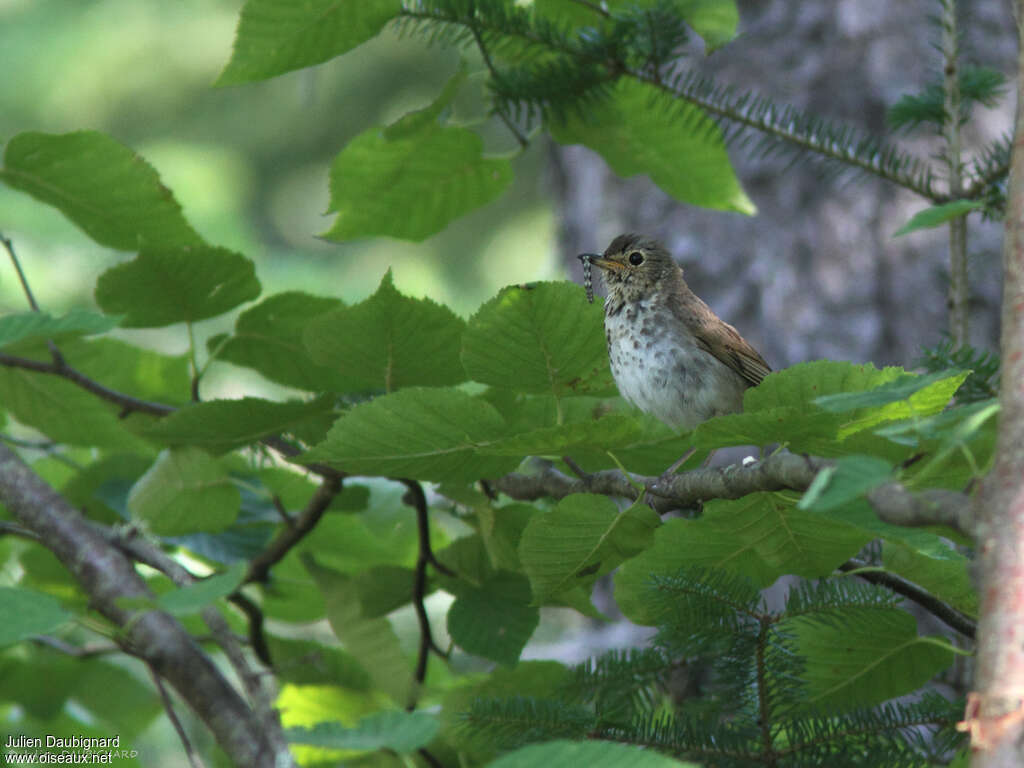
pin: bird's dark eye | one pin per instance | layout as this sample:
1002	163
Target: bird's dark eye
636	258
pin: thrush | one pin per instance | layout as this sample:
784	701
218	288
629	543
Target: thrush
670	354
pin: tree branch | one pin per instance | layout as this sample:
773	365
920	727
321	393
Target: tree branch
893	502
940	610
157	638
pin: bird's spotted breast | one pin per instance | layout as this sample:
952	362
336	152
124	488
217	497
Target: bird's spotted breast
663	371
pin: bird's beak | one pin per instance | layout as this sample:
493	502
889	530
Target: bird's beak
600	261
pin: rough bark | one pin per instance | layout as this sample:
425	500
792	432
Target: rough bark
995	711
107	575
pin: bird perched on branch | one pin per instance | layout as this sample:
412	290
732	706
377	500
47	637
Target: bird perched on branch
671	356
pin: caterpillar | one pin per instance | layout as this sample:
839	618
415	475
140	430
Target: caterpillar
588	284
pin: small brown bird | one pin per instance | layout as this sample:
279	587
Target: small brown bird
671	356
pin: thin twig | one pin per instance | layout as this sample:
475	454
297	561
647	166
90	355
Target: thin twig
78	651
254	616
418	501
9	247
13	529
194	760
500	112
259	566
946	613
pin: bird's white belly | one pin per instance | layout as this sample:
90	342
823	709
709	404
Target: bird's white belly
663	372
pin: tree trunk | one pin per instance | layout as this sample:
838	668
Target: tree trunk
995	711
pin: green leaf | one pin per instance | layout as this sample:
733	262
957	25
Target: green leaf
63	411
494	620
278	36
862	656
397	731
163	286
939	214
799	428
372	641
592	754
428	434
223	425
185	491
389	341
637	127
411	180
800	385
943	572
852	476
759	536
383	588
540	338
268	338
113	194
25	613
311	663
127	368
898	389
714	20
583	537
194	597
36	326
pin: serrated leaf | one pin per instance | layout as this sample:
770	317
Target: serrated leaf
389	341
583	537
185	491
539	338
372	641
163	286
851	477
411	185
593	754
278	36
903	387
223	425
194	597
113	194
398	731
906	397
428	434
800	385
494	620
759	536
36	326
636	127
798	428
862	657
26	612
268	338
937	215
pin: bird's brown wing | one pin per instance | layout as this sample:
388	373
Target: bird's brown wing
723	341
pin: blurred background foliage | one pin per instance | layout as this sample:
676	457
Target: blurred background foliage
249	164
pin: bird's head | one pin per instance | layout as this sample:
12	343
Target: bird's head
634	263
